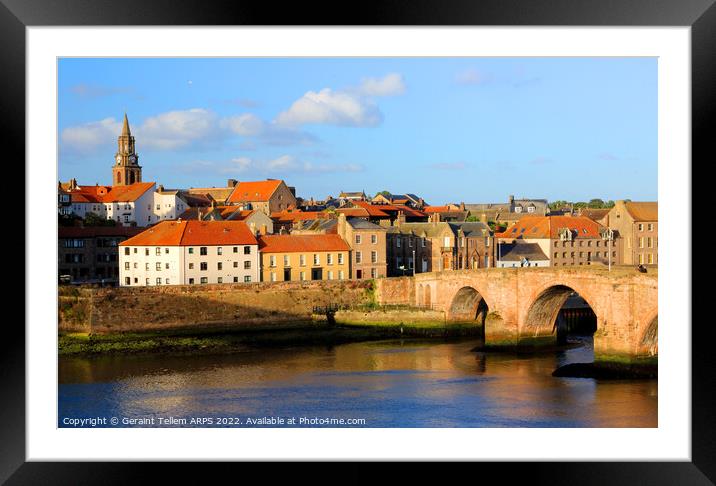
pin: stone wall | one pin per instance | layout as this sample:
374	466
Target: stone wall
242	305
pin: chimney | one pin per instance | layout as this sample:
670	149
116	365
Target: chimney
462	206
264	229
198	213
401	218
342	225
231	183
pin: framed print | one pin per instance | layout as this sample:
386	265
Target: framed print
423	234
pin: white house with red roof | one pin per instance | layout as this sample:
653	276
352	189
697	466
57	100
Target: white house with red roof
190	253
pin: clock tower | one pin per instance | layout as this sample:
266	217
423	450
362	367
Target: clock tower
126	169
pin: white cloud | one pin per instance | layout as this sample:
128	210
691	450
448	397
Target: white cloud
473	76
89	136
247	124
175	129
331	108
390	85
280	165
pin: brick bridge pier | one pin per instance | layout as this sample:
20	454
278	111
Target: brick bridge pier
521	305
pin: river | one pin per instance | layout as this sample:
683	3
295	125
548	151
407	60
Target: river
369	384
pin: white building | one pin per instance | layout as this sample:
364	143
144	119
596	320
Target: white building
137	203
190	253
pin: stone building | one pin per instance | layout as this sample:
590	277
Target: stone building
89	254
637	224
475	245
304	257
269	196
420	247
566	240
190	253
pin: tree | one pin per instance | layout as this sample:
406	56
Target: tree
92	219
383	193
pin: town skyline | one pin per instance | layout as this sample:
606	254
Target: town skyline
558	129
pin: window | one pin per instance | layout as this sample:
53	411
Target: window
204	280
236	264
166	250
247	265
649	242
487	241
159	281
359	257
330	274
219	266
126	251
358	239
166	265
236	279
641	242
191	281
340	258
191	251
641	227
126	265
302	275
146	252
203	266
423	241
446	241
650	227
341	275
146	266
159	266
202	250
247	250
272	260
329	259
191	266
374	257
236	249
410	241
220	279
136	265
373	273
397	242
374	239
166	281
650	258
247	278
273	276
302	260
316	259
219	250
127	281
146	281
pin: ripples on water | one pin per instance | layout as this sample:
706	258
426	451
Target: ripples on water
387	383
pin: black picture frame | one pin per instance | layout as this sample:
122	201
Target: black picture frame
700	15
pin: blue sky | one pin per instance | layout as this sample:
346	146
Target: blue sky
448	129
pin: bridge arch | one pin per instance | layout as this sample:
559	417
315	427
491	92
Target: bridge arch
649	340
468	304
542	315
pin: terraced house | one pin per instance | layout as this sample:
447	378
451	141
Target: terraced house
304	257
638	225
190	253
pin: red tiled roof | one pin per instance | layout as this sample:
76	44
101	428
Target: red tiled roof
549	226
355	212
372	209
187	233
110	194
287	216
254	191
440	209
301	243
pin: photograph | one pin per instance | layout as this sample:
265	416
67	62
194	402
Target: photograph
346	242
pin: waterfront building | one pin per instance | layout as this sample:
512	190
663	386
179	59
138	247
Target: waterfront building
420	247
637	223
89	254
304	257
566	240
190	253
269	196
475	245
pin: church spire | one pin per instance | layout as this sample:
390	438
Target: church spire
125	127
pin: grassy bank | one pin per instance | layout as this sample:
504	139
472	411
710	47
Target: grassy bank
213	341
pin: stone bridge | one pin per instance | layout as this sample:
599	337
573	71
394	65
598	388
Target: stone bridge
521	305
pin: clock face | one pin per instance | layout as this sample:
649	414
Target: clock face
119	159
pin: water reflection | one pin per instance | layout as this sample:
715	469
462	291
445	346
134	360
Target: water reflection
388	383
